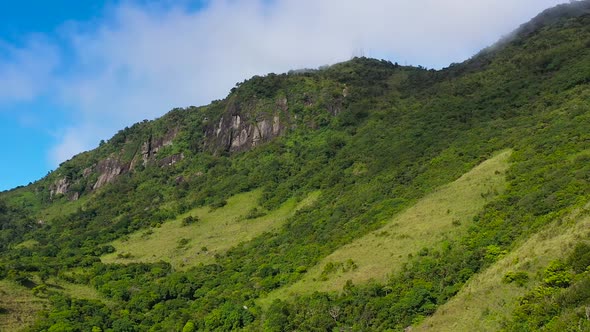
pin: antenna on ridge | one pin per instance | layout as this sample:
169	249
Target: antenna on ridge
358	53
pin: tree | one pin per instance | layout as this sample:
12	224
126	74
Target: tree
189	327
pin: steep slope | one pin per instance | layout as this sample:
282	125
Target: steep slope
18	306
487	301
374	137
436	219
200	235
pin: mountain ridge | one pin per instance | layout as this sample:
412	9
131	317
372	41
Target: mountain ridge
374	138
232	119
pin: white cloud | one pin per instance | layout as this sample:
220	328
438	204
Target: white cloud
138	62
25	70
73	140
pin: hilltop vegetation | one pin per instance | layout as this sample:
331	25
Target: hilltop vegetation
371	141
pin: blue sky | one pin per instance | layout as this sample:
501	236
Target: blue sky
27	126
73	72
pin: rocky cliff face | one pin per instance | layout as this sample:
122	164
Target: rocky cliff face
59	187
107	170
110	168
150	148
243	125
239	129
171	160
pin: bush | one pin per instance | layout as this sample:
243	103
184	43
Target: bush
580	257
218	204
255	213
182	243
556	275
190	220
189	327
519	278
125	255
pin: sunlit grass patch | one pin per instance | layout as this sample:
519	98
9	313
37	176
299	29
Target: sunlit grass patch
197	236
18	306
442	215
486	301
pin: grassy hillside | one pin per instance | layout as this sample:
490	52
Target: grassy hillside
212	233
387	146
18	306
438	218
487	301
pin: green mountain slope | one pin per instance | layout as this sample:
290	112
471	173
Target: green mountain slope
369	140
488	300
436	219
187	242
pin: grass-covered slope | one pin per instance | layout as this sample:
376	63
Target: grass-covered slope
199	235
487	301
375	139
18	306
438	218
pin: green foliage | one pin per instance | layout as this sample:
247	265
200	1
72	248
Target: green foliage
560	302
332	268
189	220
189	327
182	243
374	137
255	213
519	278
14	224
557	275
494	252
580	258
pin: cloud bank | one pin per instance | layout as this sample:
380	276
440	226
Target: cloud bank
136	62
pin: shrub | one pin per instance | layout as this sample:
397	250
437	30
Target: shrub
125	255
519	278
190	220
255	213
580	257
556	275
218	204
183	242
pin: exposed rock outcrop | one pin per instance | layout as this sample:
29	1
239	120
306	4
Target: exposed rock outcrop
62	187
238	130
242	126
59	187
151	147
86	172
108	170
171	160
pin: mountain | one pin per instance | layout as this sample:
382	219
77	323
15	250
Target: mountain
360	196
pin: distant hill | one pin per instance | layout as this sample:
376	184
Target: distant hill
362	196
